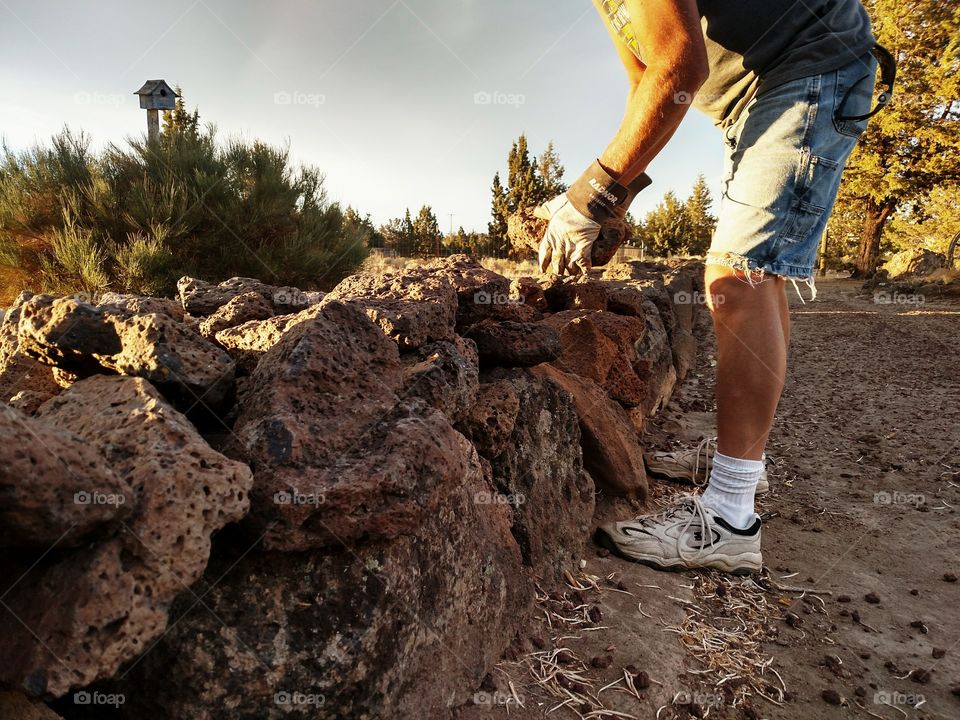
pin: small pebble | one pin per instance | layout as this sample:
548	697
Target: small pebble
920	676
832	697
843	598
602	661
918	625
939	653
914	591
949	577
872	598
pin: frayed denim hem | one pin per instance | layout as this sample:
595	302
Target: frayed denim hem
755	272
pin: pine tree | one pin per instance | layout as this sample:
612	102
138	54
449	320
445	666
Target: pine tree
179	122
499	212
426	233
524	186
913	145
667	227
702	222
551	173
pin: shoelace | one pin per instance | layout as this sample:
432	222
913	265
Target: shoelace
698	513
705	447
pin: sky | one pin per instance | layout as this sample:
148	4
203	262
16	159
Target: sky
400	103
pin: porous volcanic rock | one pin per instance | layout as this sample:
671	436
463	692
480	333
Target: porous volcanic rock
78	615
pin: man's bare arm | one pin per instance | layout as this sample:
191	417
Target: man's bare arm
675	66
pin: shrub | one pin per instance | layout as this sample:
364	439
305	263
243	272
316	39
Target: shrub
136	218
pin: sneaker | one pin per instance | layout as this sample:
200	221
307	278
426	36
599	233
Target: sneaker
693	465
685	535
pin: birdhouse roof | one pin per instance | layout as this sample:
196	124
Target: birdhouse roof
153	87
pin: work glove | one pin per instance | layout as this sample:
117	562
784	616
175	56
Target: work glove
577	216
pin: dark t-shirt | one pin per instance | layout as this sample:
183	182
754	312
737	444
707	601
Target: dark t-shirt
754	45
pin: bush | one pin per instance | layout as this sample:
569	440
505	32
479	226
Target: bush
137	218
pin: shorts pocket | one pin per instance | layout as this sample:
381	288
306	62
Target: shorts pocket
815	188
854	96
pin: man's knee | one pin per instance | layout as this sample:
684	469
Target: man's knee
732	291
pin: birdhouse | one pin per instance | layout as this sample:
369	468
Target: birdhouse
157	95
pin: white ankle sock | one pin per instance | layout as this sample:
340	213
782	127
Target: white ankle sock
730	492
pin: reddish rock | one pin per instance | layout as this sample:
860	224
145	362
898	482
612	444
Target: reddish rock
55	486
413	306
201	298
575	293
405	628
539	475
525	231
489	423
528	291
86	340
238	310
140	305
27	401
444	375
98	606
321	412
600	346
513	344
18	371
611	453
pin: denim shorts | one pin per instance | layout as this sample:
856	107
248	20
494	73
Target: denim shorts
784	158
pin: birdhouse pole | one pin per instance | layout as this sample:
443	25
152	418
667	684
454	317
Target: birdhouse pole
156	95
153	125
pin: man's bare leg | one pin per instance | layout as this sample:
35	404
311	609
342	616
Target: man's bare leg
751	324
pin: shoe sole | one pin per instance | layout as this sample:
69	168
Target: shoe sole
603	538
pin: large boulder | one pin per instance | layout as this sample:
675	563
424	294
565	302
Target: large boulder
539	473
238	310
611	452
914	261
336	454
55	486
514	344
654	364
489	422
86	340
200	298
601	346
481	293
414	306
404	628
77	616
444	375
141	305
18	371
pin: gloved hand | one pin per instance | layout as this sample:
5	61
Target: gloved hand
577	216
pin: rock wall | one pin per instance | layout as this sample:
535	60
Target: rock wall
289	504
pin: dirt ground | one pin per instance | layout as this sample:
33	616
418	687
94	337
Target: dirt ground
856	614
